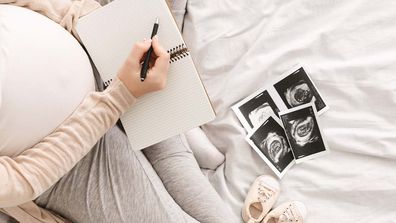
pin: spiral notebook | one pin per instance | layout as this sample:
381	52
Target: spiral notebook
108	34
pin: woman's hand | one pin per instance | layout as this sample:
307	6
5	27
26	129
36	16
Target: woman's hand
156	78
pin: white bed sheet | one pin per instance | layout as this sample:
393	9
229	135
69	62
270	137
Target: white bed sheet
349	49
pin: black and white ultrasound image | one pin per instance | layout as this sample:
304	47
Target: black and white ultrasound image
270	139
303	132
297	89
257	109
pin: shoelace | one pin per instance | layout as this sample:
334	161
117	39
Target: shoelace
288	216
264	193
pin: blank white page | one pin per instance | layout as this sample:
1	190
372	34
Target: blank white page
109	33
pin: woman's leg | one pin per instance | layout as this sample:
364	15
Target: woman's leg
113	184
182	177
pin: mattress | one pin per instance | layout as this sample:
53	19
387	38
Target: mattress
349	50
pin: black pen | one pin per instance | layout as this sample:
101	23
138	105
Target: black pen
145	65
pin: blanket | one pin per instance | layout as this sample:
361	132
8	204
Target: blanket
348	49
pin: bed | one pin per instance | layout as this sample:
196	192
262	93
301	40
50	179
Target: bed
348	48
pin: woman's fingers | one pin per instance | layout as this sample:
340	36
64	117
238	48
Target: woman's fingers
129	73
163	57
139	49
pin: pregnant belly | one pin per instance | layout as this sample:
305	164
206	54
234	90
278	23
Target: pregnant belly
44	76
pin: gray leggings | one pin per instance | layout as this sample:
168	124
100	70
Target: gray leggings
115	184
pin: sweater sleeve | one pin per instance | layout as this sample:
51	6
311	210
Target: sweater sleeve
64	12
24	177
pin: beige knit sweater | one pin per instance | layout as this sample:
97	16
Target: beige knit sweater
26	176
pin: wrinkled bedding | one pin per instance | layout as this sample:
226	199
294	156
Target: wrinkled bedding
349	49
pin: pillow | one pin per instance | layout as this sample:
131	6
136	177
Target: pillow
44	76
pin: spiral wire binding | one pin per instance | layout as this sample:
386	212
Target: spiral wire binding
108	82
178	52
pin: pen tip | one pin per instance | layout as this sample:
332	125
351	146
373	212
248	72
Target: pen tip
157	20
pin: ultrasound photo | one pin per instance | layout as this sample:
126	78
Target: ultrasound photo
297	89
253	111
270	142
303	132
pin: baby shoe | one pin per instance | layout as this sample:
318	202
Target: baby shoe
261	197
290	212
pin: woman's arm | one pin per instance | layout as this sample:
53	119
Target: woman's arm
26	176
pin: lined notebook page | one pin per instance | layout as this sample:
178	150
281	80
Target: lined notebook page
176	109
109	34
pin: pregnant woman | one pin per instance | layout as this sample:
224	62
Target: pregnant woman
55	166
